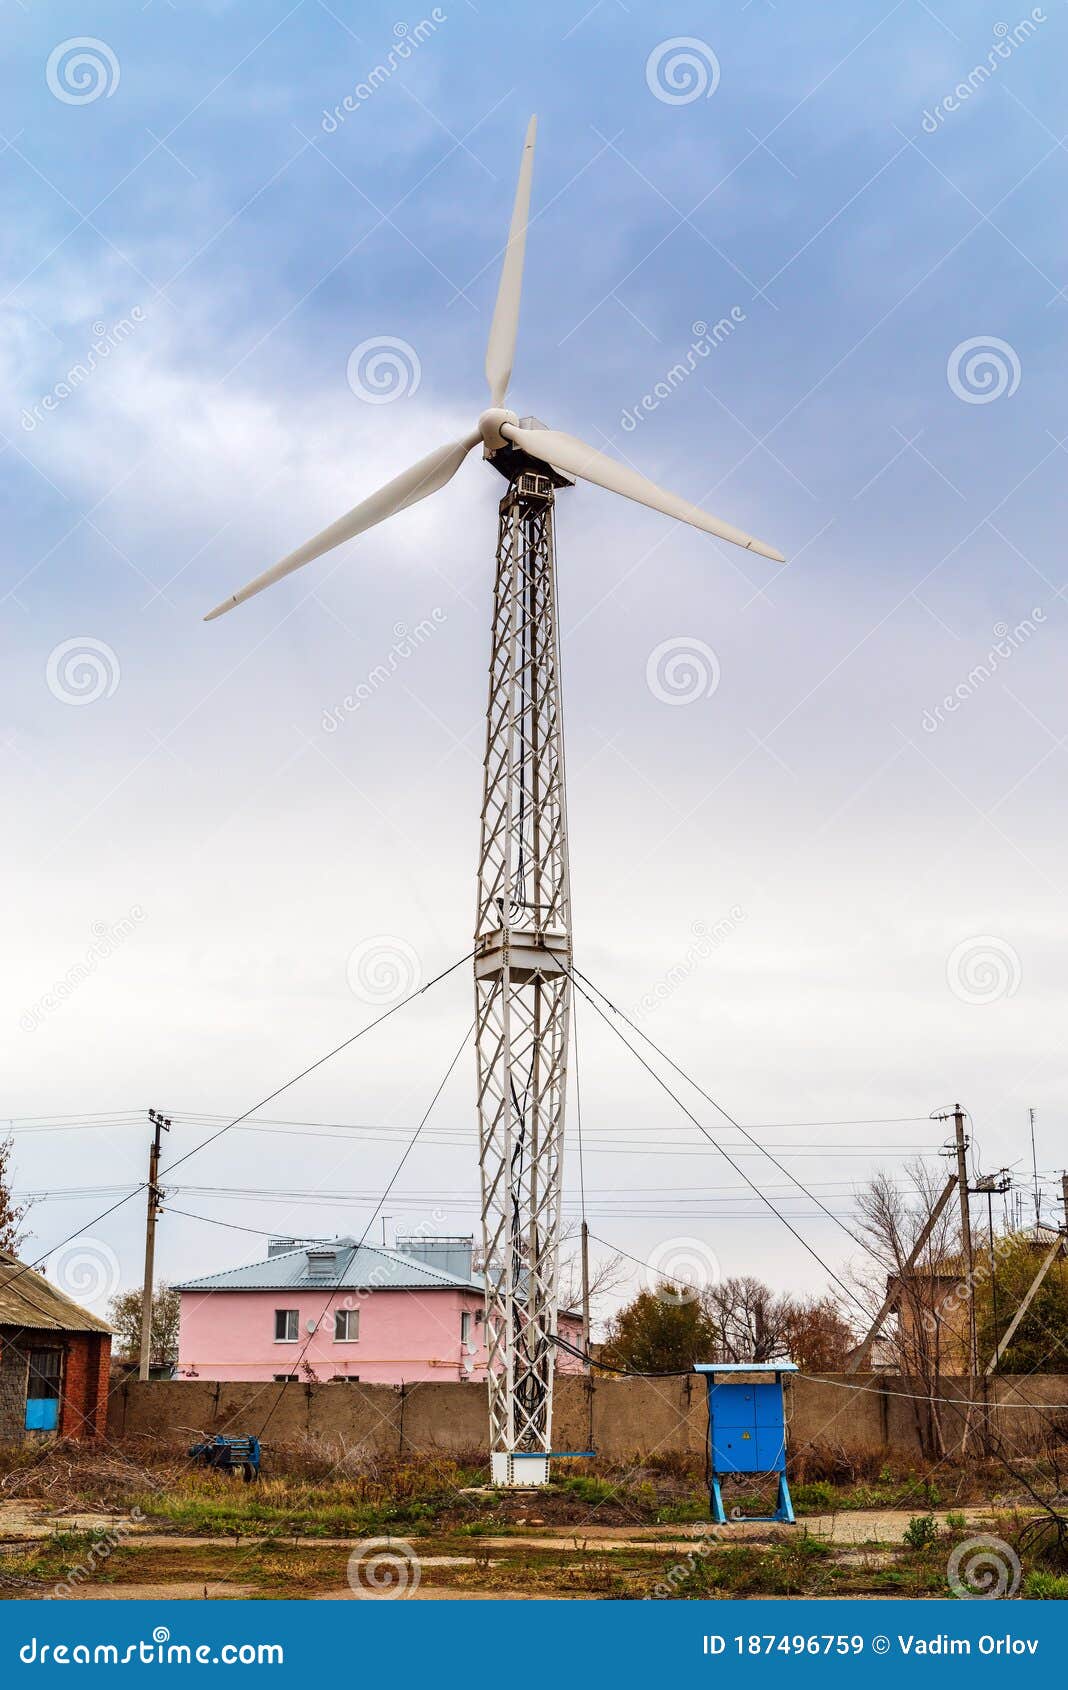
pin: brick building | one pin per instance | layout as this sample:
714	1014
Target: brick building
54	1360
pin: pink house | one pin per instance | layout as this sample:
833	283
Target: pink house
332	1310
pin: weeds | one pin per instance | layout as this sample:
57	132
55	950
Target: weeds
920	1531
1046	1587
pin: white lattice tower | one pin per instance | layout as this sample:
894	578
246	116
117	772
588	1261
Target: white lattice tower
522	987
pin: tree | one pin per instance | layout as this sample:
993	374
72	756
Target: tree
927	1323
606	1276
750	1320
124	1314
658	1333
738	1319
1040	1342
12	1235
818	1337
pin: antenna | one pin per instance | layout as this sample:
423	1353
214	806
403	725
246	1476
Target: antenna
1034	1168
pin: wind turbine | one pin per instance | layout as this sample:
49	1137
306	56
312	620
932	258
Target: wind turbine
523	924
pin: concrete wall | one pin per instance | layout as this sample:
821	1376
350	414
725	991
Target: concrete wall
620	1418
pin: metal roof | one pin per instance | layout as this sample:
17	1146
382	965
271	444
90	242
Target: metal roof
745	1367
27	1299
362	1268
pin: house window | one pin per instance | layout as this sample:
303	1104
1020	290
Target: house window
43	1390
346	1326
285	1378
286	1326
465	1327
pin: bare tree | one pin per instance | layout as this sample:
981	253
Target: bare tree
606	1277
12	1233
891	1217
751	1321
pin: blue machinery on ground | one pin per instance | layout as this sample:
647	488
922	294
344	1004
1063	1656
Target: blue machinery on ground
229	1455
746	1430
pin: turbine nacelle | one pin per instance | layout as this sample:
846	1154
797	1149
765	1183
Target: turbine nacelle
499	428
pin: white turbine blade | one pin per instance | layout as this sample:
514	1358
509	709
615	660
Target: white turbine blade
500	349
574	457
425	477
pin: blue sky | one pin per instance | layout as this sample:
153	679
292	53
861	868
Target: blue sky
231	250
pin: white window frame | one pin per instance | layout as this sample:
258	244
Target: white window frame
347	1318
292	1319
465	1326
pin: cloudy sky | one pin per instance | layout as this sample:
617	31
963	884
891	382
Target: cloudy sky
817	812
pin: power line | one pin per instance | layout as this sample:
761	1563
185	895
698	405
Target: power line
371	1025
312	1066
727	1117
726	1154
394	1176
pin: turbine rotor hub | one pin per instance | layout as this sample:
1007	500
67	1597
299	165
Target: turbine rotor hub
489	426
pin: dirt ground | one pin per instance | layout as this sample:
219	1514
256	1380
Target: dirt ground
41	1552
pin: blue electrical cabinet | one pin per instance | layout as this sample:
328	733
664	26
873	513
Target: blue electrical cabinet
746	1428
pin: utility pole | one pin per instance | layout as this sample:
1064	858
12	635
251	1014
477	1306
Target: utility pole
155	1198
988	1184
1064	1198
862	1352
586	1276
961	1147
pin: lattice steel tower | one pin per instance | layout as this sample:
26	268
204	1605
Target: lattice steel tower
523	929
522	985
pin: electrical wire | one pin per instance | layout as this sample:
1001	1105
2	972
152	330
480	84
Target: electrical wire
606	1367
724	1153
28	1267
312	1066
336	1287
727	1117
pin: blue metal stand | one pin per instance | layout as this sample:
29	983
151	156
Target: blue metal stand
747	1432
